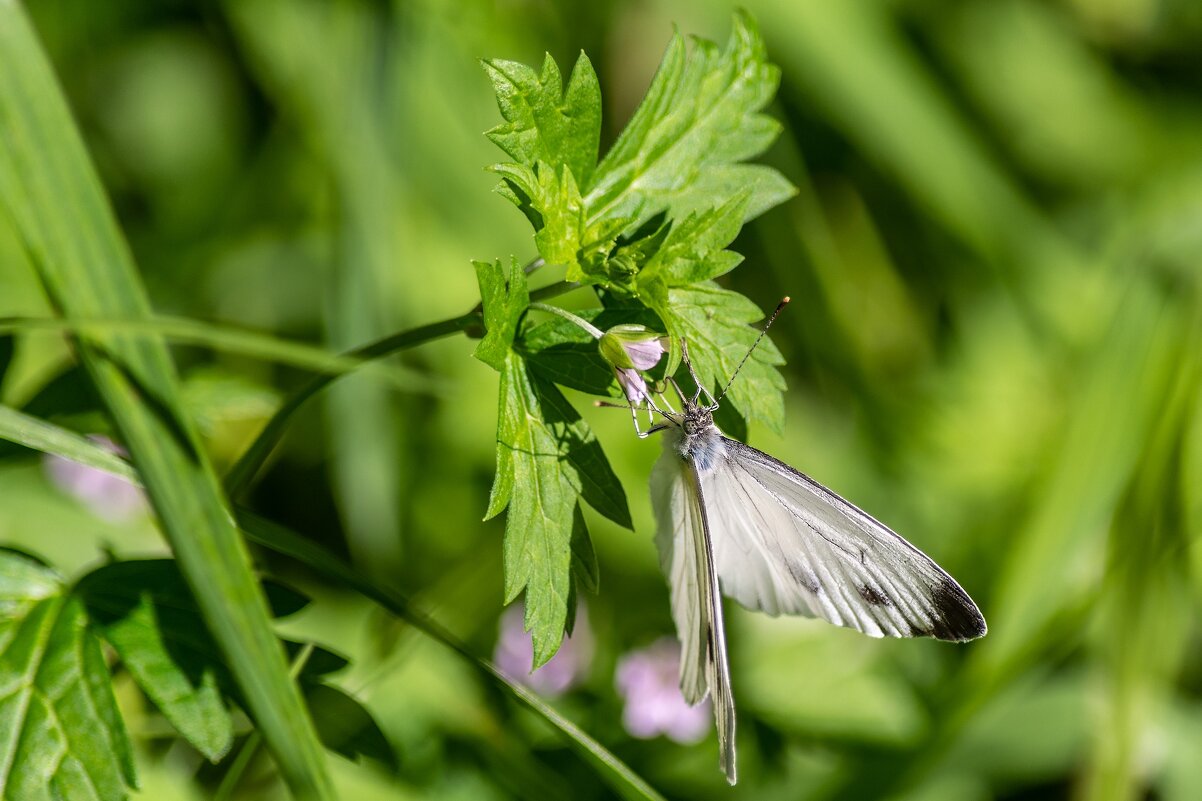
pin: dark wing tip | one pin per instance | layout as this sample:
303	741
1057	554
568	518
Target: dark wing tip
957	618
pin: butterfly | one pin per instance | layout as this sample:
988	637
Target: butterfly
734	521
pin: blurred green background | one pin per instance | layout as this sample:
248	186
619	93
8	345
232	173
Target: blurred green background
994	259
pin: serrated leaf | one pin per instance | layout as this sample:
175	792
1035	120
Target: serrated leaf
693	250
714	322
504	296
562	234
544	121
675	283
345	726
144	611
61	735
681	153
699	119
554	459
585	569
143	608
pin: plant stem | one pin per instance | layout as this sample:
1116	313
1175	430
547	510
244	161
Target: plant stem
240	475
596	332
253	457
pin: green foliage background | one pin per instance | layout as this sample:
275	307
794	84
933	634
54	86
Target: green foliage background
994	260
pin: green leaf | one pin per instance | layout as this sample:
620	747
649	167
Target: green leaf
504	296
585	570
543	121
54	199
547	457
143	609
693	250
345	725
61	735
675	282
681	153
609	767
714	322
700	118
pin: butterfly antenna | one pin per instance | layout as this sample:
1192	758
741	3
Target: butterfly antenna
771	319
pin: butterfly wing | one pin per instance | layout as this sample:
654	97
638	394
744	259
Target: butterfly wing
783	543
686	556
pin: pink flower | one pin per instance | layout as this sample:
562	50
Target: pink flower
631	349
634	386
107	496
648	679
515	653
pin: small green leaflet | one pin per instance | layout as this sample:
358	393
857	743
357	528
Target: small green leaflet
61	735
682	151
504	296
544	122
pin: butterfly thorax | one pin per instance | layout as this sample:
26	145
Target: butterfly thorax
697	439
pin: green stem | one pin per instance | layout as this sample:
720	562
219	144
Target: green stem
253	458
596	332
251	461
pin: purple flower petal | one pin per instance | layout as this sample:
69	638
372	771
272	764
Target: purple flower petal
648	680
515	653
633	384
645	354
107	496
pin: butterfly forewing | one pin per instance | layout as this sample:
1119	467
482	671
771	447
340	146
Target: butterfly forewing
785	544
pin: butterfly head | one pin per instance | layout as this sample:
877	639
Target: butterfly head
697	418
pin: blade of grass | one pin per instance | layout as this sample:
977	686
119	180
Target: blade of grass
277	538
59	210
36	433
184	331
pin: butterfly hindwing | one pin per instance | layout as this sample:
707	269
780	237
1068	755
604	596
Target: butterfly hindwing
686	557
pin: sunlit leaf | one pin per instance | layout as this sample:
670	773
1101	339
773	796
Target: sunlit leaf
61	735
504	297
547	458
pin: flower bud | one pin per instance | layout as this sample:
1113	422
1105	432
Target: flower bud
631	348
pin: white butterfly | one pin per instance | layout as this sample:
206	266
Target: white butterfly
733	520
